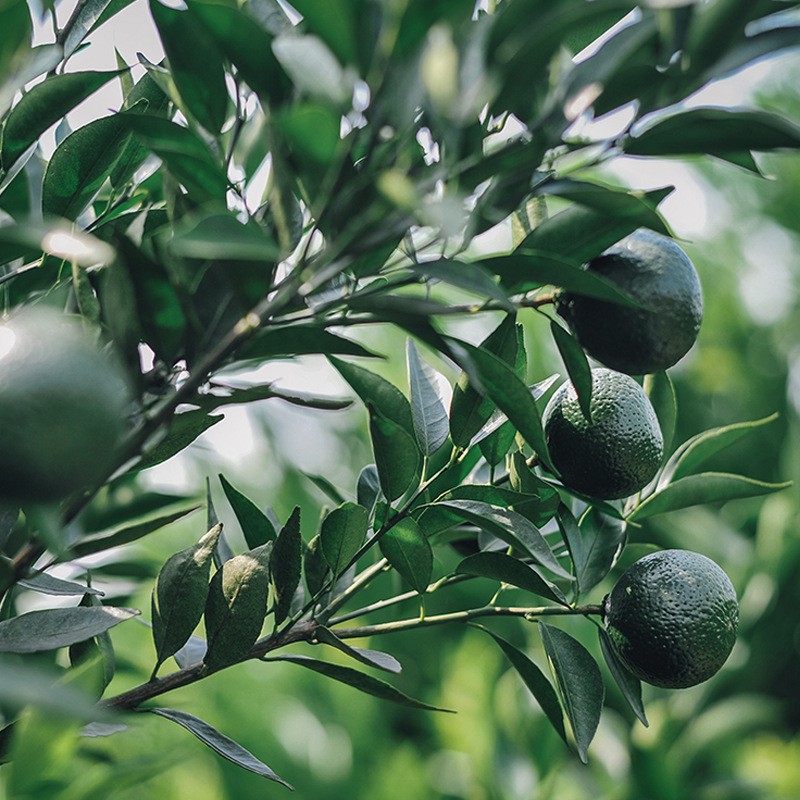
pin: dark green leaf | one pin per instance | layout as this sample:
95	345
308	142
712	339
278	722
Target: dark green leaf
81	164
500	567
195	65
578	369
469	276
43	106
126	534
37	631
314	71
579	681
397	456
428	406
224	237
286	565
218	742
705	487
694	452
629	685
85	17
406	548
342	534
252	394
372	658
236	607
94	659
604	538
44	583
337	25
715	131
255	524
312	131
358	680
535	680
510	527
299	340
179	595
326	487
315	567
661	392
496	444
183	430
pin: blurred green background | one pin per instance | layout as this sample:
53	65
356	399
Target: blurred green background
735	736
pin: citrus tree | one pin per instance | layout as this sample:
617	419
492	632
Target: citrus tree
284	178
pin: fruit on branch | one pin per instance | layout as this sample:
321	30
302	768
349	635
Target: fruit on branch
62	408
653	270
672	618
616	452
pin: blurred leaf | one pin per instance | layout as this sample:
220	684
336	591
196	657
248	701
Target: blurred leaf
218	742
52	628
535	680
472	277
312	130
80	165
255	524
236	607
428	402
501	567
313	68
251	394
286	565
715	131
126	534
298	340
326	487
93	661
223	237
44	583
579	681
397	456
358	680
192	653
660	390
372	658
510	527
580	374
342	534
704	487
694	452
195	65
16	40
337	25
179	595
629	685
44	105
183	429
406	548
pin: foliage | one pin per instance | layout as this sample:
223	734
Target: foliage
262	193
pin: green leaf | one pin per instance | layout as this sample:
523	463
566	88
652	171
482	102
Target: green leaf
629	685
579	682
326	487
705	487
312	131
407	549
472	277
80	165
377	391
44	583
337	25
342	534
469	409
38	631
223	237
500	567
512	397
93	660
179	595
535	680
185	155
315	567
219	743
358	680
183	430
372	658
397	456
16	40
428	402
236	607
695	451
44	105
715	131
298	340
85	17
509	527
286	565
255	524
660	390
195	65
104	540
578	369
314	70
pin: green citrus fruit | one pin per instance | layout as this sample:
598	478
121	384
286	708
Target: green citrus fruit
614	454
672	618
653	270
62	408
